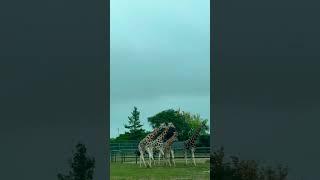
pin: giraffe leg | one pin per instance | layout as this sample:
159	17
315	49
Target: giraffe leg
168	155
159	158
185	156
154	162
161	153
142	156
192	152
168	159
150	156
165	159
144	162
172	154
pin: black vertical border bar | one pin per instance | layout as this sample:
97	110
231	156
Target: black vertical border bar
107	85
212	73
212	78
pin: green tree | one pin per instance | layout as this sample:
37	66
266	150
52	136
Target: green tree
136	132
173	116
194	121
184	122
134	126
134	122
82	166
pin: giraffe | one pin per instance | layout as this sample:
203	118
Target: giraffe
157	145
190	144
145	143
168	149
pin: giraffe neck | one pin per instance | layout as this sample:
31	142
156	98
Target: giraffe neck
171	140
161	137
155	131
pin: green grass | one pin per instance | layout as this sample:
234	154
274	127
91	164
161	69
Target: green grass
132	171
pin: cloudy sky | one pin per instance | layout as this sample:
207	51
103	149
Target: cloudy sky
160	58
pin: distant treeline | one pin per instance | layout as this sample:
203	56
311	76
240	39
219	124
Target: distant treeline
184	122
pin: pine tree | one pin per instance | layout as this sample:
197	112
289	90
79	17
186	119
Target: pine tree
134	122
135	127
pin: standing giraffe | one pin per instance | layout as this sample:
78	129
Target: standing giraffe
157	145
168	148
145	143
190	144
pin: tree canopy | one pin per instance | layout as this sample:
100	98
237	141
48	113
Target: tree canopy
185	122
136	132
134	125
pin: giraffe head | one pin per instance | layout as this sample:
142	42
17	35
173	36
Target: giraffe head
172	139
171	130
170	124
155	132
203	124
159	130
165	130
162	135
162	125
175	136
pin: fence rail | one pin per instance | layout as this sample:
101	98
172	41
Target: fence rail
134	145
126	152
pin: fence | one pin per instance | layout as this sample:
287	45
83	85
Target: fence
127	151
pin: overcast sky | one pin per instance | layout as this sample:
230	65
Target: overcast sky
160	58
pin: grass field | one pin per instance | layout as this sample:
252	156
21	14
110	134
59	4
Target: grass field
132	171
